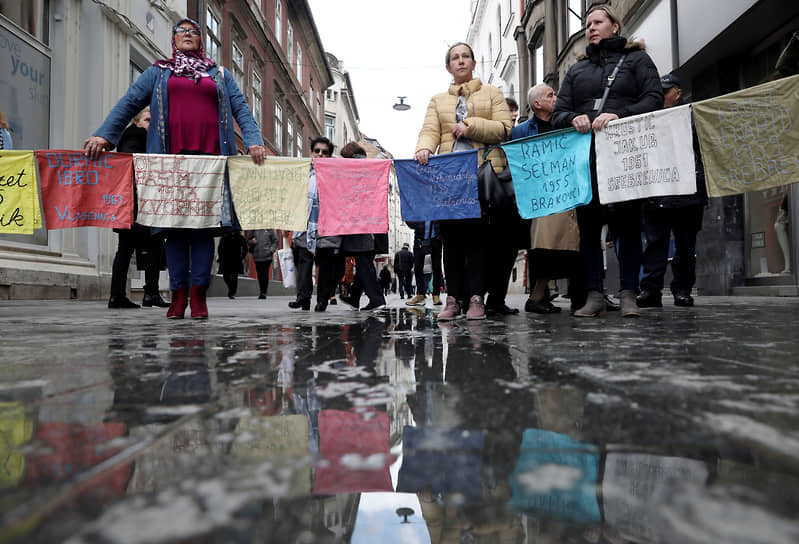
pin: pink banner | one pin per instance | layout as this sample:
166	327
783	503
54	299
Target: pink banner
79	192
353	195
356	452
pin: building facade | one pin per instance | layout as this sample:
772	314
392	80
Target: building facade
715	47
491	38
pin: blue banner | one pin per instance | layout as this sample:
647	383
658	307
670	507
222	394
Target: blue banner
551	172
445	188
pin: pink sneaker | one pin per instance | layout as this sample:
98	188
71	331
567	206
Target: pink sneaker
451	311
477	309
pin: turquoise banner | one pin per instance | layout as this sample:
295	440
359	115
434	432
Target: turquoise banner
551	172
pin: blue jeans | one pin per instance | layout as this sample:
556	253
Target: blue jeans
189	256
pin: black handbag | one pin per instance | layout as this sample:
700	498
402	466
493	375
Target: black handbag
495	190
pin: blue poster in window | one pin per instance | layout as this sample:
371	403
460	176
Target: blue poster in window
551	172
444	188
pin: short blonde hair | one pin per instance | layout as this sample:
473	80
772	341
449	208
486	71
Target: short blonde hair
139	115
3	122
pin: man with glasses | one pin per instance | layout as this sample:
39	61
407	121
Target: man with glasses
303	244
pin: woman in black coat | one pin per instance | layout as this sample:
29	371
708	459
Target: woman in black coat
636	89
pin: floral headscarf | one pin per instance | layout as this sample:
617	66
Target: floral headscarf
191	64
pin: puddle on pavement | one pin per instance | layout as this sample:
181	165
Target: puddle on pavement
386	429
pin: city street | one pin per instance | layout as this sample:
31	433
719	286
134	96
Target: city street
266	424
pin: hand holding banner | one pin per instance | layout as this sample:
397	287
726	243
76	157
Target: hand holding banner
551	172
19	199
80	192
646	155
445	188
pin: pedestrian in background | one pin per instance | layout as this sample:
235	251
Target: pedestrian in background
427	245
634	88
6	142
138	238
232	251
193	103
513	107
403	268
470	115
262	244
678	215
385	280
554	239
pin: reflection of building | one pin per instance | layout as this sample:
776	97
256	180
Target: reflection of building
715	47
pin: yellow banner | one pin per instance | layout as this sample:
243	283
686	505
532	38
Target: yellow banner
19	195
748	138
271	196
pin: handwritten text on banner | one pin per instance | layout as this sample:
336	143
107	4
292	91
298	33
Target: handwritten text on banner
444	188
179	191
19	198
646	155
80	192
273	195
748	138
353	195
550	172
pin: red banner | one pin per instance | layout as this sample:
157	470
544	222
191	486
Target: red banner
79	192
356	452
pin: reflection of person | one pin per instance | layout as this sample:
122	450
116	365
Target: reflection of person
781	228
232	250
137	238
403	265
469	115
554	239
677	215
635	89
6	142
193	104
263	244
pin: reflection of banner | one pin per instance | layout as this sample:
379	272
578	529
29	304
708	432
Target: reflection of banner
556	476
443	460
646	155
19	199
550	172
280	439
15	430
446	188
356	452
79	192
273	195
183	191
353	195
748	139
638	489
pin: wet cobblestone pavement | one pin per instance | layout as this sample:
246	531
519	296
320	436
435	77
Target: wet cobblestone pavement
266	424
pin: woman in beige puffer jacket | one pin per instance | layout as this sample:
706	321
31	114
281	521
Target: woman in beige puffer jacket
470	115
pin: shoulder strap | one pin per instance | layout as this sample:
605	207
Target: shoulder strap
611	79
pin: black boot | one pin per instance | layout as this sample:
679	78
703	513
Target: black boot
121	302
154	300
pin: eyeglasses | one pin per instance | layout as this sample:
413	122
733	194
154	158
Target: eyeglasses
190	31
321	151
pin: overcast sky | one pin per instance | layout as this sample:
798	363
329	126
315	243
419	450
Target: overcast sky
390	49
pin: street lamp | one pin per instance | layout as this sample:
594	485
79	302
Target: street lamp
404	512
401	106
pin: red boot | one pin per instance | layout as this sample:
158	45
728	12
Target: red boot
199	310
180	299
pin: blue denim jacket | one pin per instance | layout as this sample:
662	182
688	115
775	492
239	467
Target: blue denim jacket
151	88
523	130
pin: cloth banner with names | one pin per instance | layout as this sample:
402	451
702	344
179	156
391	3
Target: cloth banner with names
270	196
444	188
179	191
646	155
748	139
551	172
19	195
80	192
353	195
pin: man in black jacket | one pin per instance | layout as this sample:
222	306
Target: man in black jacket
403	266
680	215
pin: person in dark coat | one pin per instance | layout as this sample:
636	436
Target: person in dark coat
403	267
636	89
232	250
680	215
385	279
138	238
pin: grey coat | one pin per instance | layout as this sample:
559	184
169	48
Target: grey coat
263	244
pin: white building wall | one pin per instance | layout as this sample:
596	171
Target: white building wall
491	38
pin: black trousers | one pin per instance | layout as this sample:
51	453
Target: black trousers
366	278
149	247
329	272
262	271
465	257
404	281
421	248
303	263
659	224
232	282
